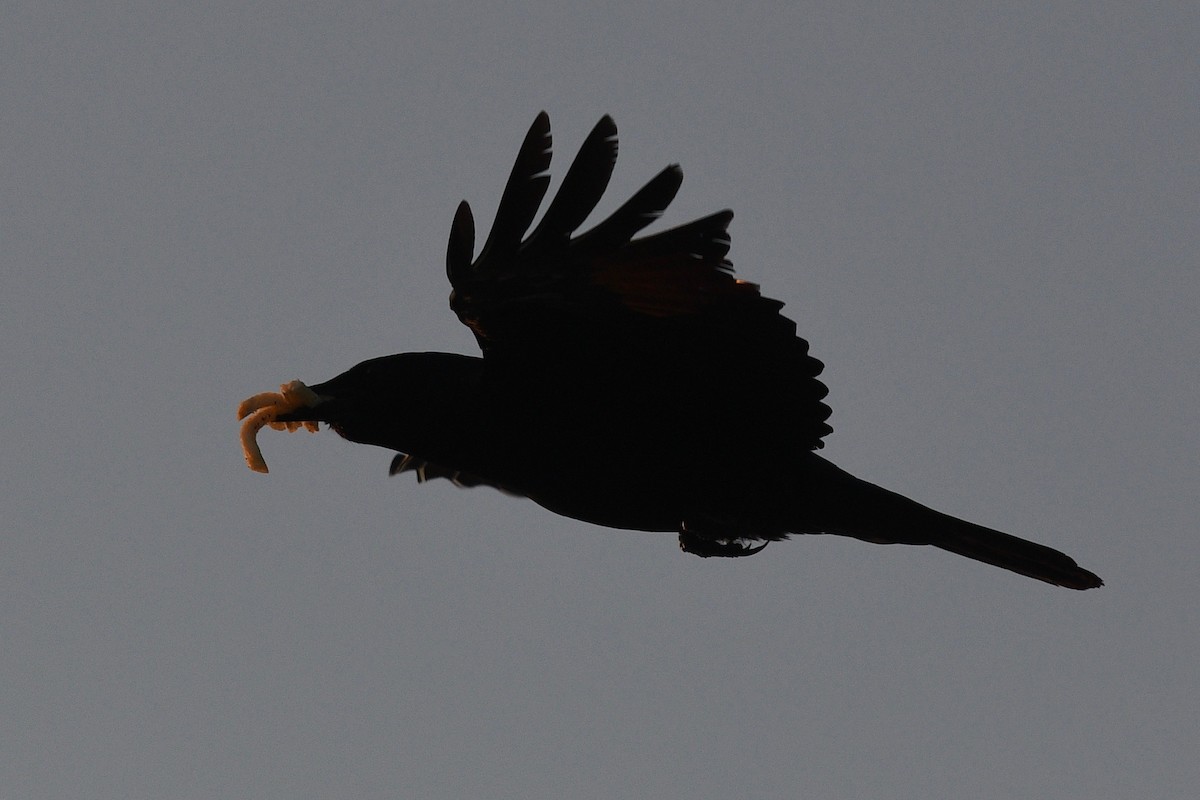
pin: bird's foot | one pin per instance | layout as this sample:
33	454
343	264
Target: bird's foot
697	545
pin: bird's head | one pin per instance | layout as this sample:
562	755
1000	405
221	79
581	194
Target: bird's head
369	403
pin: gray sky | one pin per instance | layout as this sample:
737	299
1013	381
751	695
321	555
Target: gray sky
983	219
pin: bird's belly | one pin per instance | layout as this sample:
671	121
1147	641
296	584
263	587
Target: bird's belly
605	495
654	494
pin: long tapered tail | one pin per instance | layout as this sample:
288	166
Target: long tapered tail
874	514
1008	552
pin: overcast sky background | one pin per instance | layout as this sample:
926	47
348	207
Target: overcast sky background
983	216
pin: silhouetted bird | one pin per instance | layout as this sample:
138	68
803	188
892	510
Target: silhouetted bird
629	382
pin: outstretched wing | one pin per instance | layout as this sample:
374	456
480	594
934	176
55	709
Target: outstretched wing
604	300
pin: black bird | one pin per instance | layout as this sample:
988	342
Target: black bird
628	382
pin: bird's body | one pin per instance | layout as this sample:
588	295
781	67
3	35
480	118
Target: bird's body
632	383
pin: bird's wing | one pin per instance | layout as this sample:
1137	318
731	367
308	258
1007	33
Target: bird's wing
604	299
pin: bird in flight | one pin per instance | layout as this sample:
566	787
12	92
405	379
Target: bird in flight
631	382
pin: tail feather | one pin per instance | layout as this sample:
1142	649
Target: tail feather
1010	552
884	517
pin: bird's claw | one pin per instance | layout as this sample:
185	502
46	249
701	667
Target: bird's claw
698	545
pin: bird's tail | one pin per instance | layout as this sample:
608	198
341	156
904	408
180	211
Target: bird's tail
875	514
1008	552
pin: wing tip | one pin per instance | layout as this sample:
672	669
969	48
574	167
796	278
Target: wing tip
461	247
